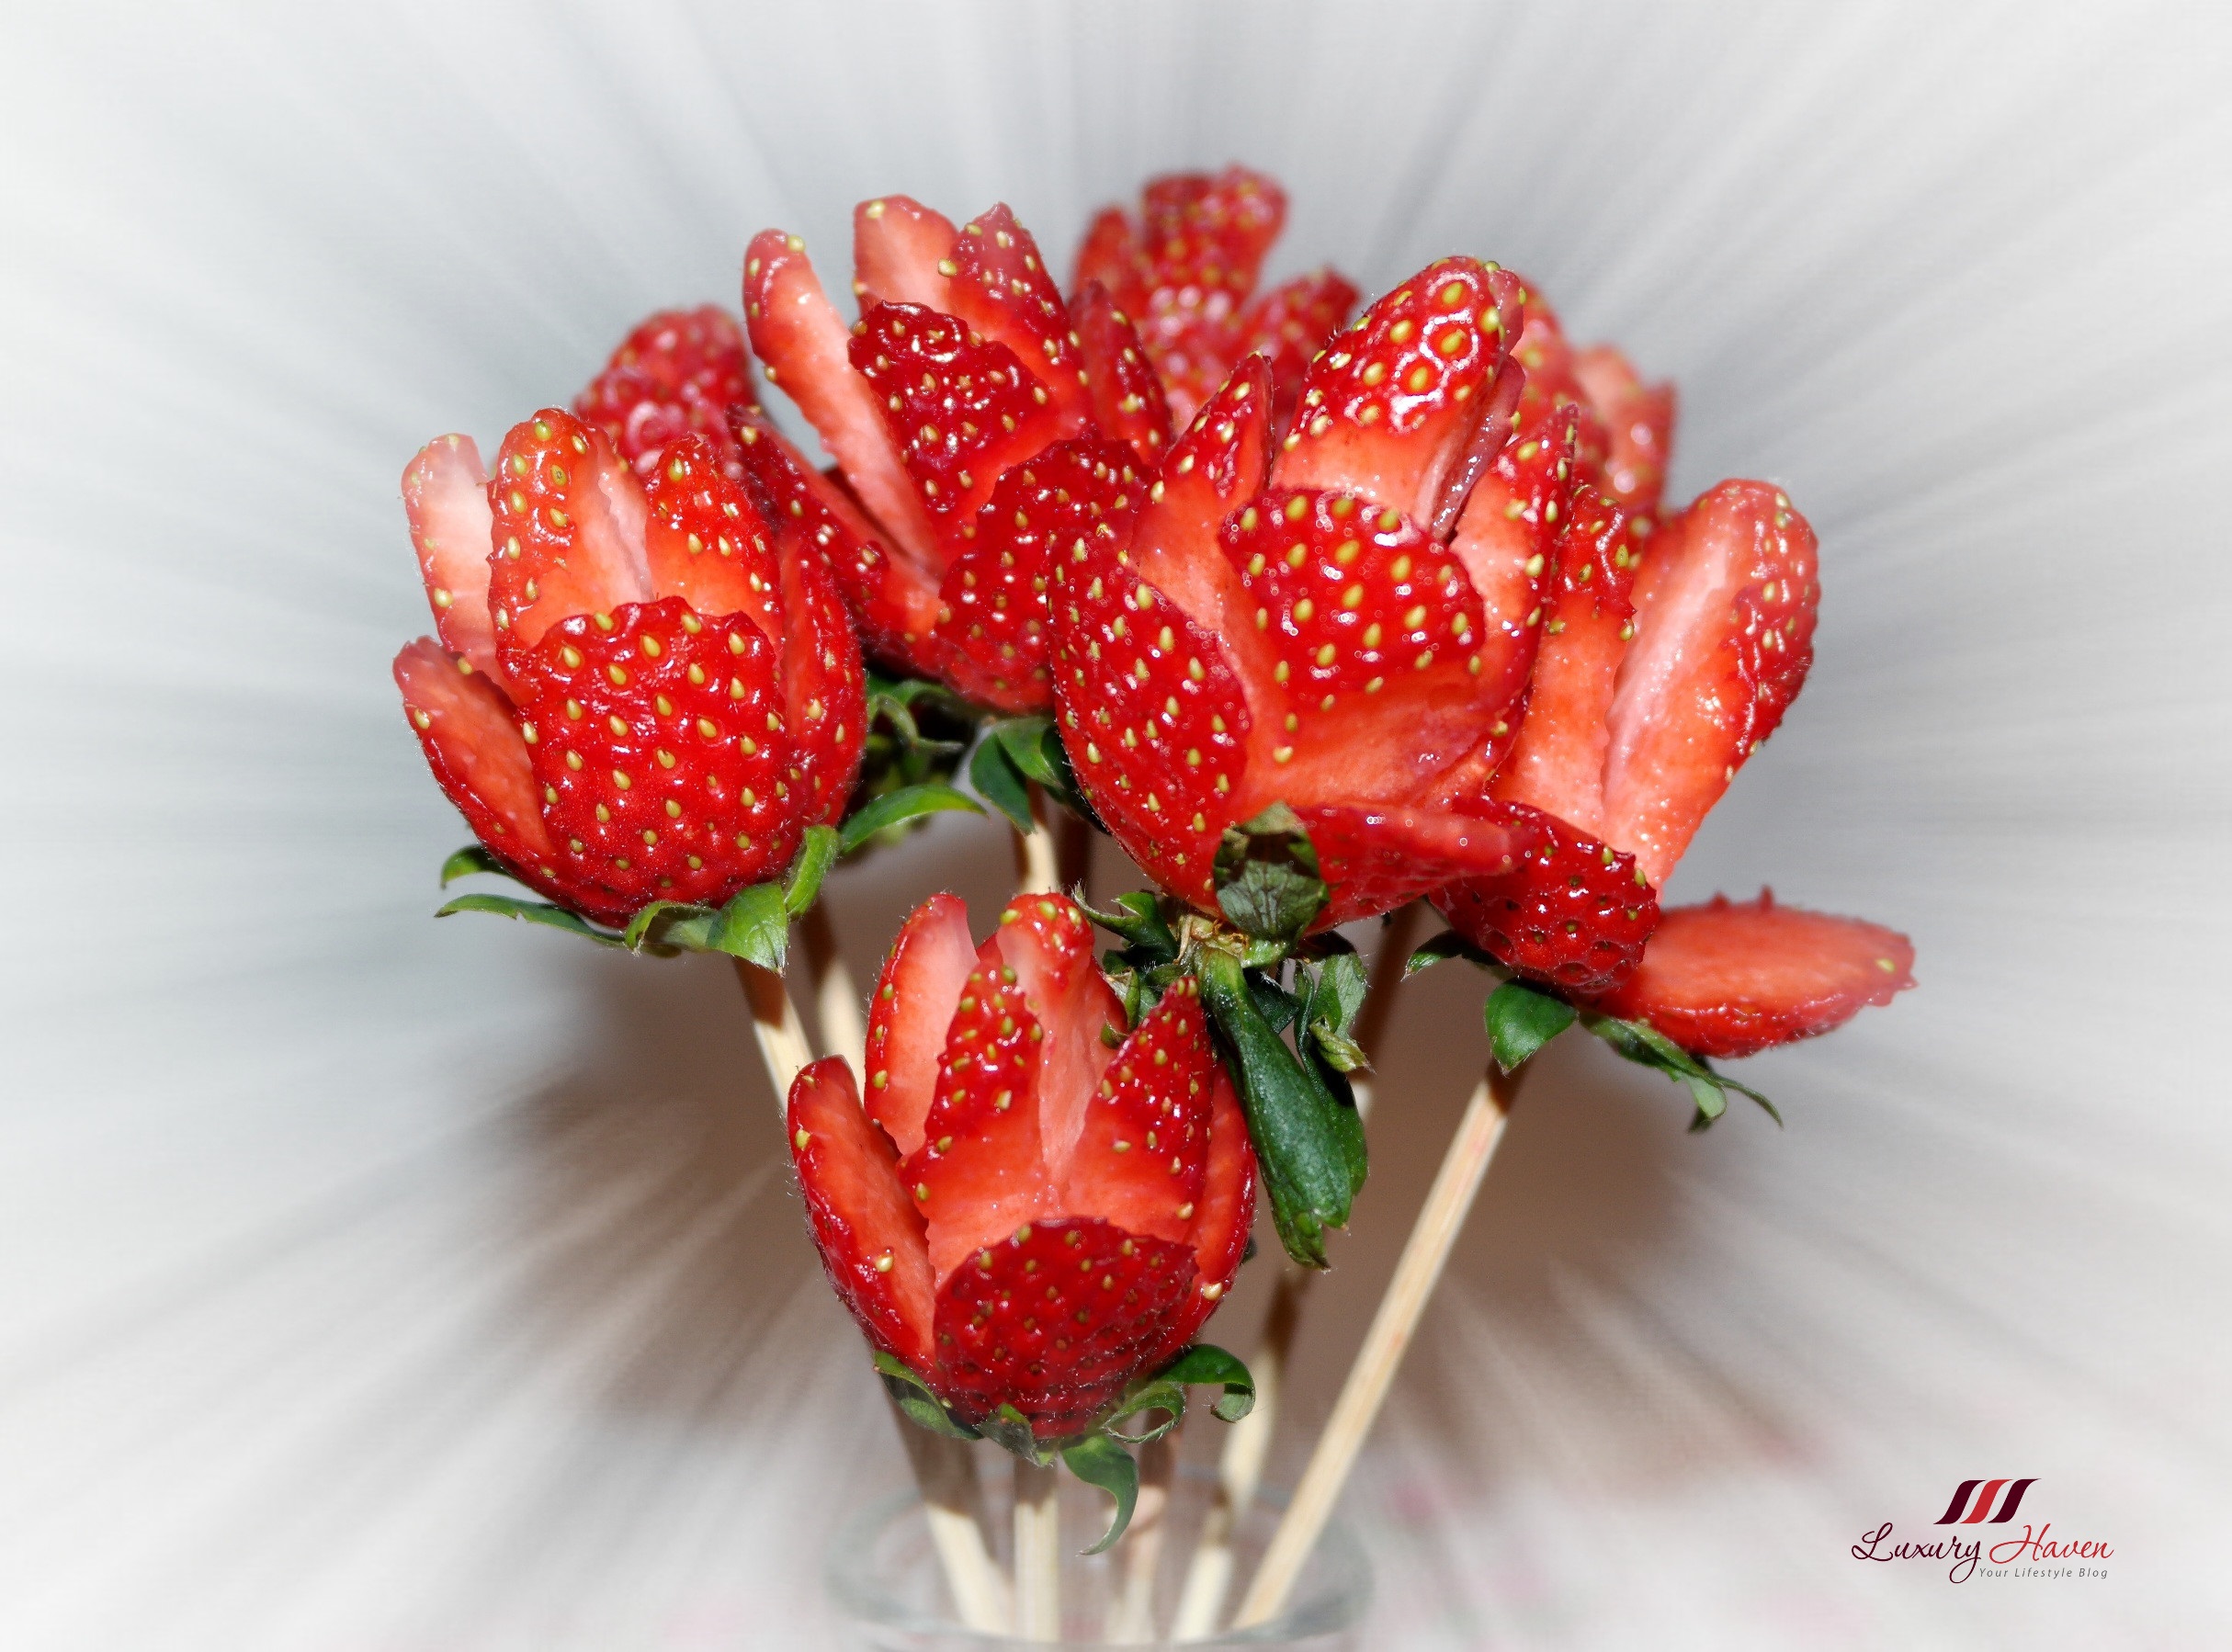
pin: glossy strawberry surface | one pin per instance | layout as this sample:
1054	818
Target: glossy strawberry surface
1073	1195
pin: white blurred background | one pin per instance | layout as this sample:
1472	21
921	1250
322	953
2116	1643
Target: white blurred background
366	1282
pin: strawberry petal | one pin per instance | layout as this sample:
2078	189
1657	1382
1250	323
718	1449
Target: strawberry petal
1128	399
1216	467
959	409
1638	421
1289	324
662	754
864	1225
1374	635
1152	715
1141	1157
1725	610
797	333
1391	407
920	984
1374	860
1572	912
894	603
470	735
994	597
981	1173
1046	942
897	245
1110	256
1731	978
1225	1214
826	699
568	532
703	540
1557	761
445	497
1003	288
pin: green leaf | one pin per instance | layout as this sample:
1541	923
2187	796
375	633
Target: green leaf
754	926
1266	875
810	868
1310	1146
895	808
1000	784
1100	1461
670	926
472	858
1137	917
1011	1430
1446	945
922	1407
1272	1001
1520	1020
1205	1363
1645	1046
531	911
1330	1010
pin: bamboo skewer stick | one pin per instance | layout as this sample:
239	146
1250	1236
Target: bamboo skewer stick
1131	1616
1440	1219
844	1032
1208	1577
1038	1552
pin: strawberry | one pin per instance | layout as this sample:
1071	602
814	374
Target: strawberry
895	604
681	694
663	768
1553	378
1076	1211
959	409
1374	633
867	1231
1638	421
1185	274
807	352
1571	911
897	245
1128	400
1725	608
1289	324
919	983
994	608
568	531
1375	859
677	374
1055	1317
1152	715
446	498
1000	287
1734	978
1396	407
1558	761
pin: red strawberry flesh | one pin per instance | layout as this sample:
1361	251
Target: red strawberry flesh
897	247
1572	912
568	530
472	743
1141	1157
864	1225
1734	978
922	980
1725	608
1003	288
676	375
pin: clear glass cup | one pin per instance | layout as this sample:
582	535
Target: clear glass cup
890	1595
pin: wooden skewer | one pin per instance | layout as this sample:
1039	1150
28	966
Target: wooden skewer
1431	1237
1209	1575
1038	1552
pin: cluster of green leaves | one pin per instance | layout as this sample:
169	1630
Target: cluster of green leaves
1099	1455
754	925
1017	753
1285	1005
1522	1016
918	731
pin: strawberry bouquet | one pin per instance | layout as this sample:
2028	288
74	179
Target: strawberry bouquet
1322	621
